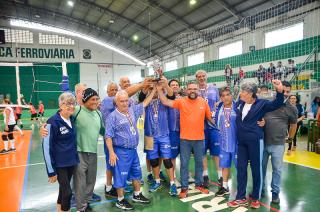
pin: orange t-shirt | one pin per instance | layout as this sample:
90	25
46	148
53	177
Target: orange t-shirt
192	116
41	108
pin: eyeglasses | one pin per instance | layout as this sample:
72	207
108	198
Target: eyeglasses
70	104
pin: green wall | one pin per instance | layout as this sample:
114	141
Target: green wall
42	72
281	52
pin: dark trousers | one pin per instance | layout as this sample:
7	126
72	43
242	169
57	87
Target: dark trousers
295	137
64	177
250	150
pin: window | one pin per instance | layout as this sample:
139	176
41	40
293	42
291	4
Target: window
284	35
18	36
172	65
195	59
230	49
55	39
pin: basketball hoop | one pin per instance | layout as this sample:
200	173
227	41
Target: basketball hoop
104	67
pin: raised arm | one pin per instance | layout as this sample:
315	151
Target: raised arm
278	102
166	86
164	100
147	101
132	90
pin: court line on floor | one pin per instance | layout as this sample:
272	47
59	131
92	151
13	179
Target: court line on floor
34	164
299	164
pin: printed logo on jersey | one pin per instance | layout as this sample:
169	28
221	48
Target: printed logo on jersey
64	130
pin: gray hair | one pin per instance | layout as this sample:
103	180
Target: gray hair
200	71
250	87
111	84
66	97
120	93
76	87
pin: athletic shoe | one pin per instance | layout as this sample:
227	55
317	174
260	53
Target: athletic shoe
202	189
155	187
238	202
111	193
255	204
206	181
173	190
128	189
183	193
140	198
124	205
2	152
275	198
73	202
222	191
95	198
12	150
162	177
150	179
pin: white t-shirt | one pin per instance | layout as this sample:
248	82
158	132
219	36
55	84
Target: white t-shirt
245	110
67	121
12	120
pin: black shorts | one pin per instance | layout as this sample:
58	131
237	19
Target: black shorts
11	127
40	114
34	116
18	116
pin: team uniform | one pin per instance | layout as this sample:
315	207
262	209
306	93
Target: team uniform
18	112
156	126
174	131
41	110
211	95
226	123
61	156
8	134
33	112
122	129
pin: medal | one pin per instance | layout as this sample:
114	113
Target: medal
133	131
155	109
227	124
227	115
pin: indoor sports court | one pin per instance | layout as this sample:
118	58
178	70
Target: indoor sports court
56	56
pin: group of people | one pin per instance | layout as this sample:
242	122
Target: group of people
263	75
251	129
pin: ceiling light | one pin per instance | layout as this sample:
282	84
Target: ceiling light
111	21
70	3
192	2
42	27
135	37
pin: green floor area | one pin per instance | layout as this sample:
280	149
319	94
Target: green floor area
300	189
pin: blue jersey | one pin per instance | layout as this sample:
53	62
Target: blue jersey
211	95
107	107
156	119
174	119
226	123
122	129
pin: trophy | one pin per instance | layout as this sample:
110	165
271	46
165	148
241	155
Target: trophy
157	71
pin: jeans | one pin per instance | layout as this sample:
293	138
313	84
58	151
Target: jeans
185	151
276	152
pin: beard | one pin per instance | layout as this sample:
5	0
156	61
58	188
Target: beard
192	95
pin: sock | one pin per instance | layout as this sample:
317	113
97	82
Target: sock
171	183
136	193
205	172
5	145
12	144
225	184
120	198
108	188
149	172
219	173
158	180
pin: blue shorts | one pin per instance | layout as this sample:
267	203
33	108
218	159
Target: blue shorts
211	142
161	148
175	143
106	152
226	158
127	167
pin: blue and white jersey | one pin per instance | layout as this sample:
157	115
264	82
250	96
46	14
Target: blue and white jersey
156	119
226	123
122	129
174	118
211	95
107	107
